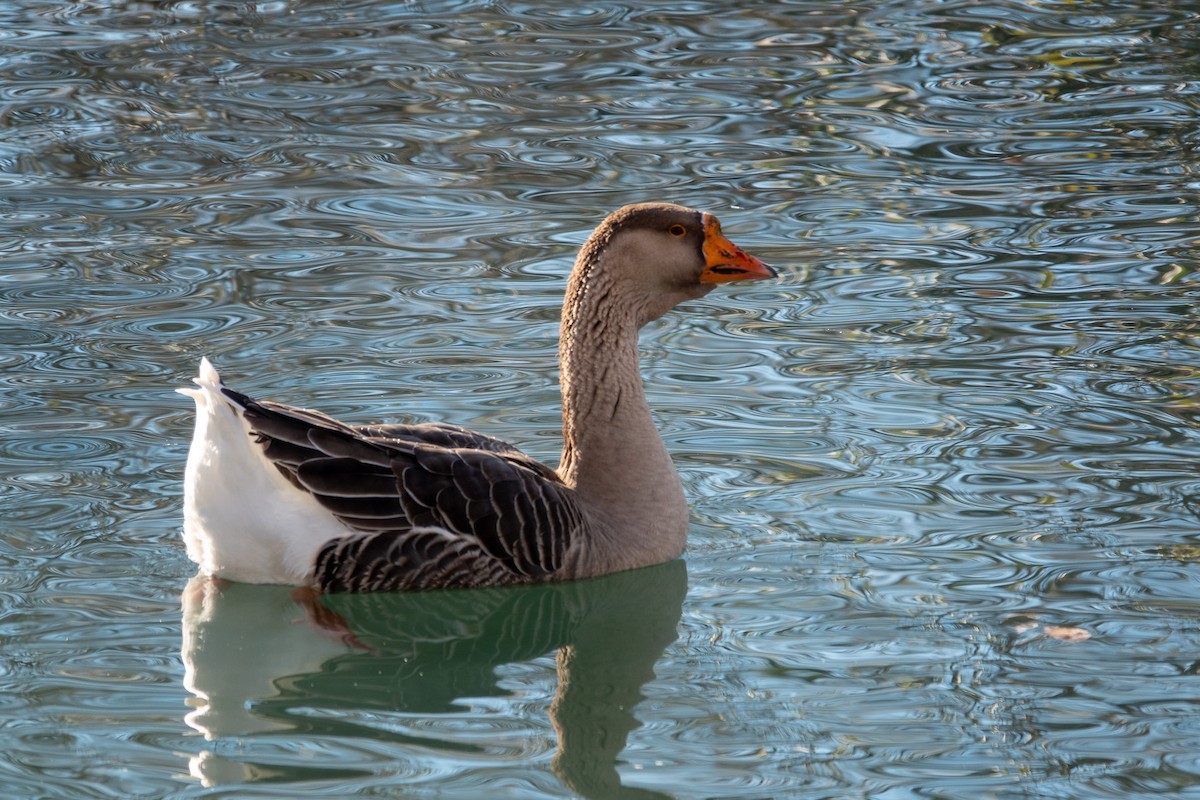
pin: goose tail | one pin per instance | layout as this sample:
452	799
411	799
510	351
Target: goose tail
243	520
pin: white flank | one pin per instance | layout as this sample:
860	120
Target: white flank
242	520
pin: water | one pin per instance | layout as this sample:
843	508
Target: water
942	471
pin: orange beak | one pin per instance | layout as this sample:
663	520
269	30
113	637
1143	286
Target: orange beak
725	261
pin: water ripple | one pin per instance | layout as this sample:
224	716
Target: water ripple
962	420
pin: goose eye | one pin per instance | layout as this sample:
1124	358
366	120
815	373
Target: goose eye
676	230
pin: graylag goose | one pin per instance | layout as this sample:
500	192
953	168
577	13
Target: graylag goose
277	494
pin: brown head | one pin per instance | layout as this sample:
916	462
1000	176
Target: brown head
653	256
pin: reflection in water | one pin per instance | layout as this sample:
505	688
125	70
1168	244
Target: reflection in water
264	659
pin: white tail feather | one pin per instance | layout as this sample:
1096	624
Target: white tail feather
243	520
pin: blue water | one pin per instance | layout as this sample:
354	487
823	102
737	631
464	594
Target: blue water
943	471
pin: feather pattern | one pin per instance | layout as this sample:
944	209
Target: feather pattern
429	505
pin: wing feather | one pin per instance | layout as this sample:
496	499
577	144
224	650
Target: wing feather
430	505
345	478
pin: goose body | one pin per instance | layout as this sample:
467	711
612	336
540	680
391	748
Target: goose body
278	494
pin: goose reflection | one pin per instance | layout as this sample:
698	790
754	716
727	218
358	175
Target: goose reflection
265	658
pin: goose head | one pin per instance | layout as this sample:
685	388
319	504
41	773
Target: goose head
650	257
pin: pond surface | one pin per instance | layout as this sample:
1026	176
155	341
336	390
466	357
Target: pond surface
943	471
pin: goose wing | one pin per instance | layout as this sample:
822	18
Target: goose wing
429	506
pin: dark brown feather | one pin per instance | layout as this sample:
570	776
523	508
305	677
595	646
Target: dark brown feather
435	505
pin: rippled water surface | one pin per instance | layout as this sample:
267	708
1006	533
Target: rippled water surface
943	471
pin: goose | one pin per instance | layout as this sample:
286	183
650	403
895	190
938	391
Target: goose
286	495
